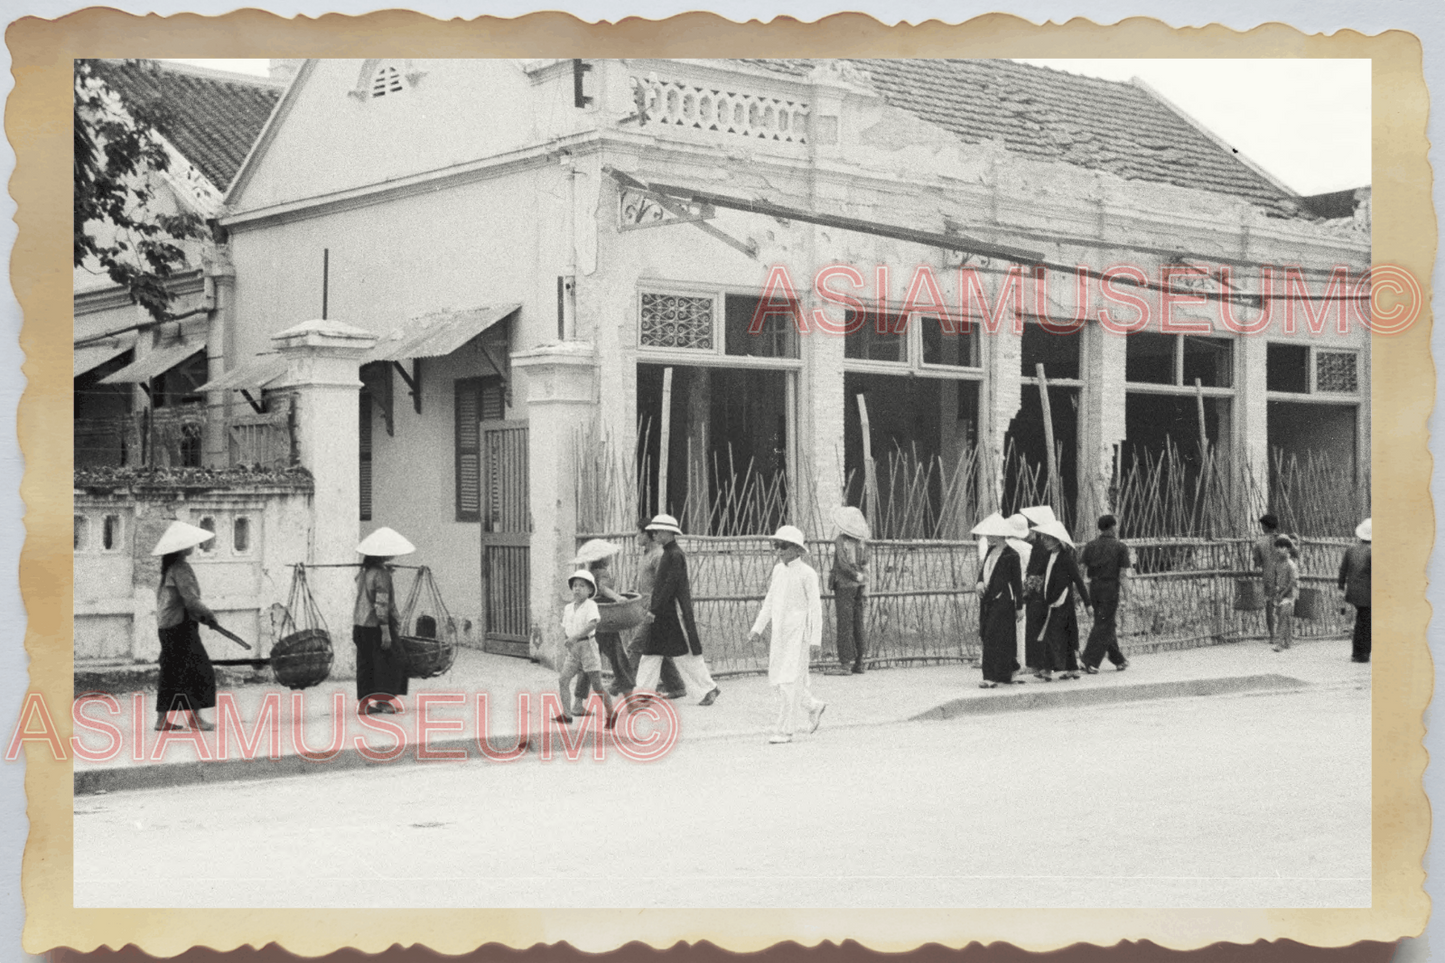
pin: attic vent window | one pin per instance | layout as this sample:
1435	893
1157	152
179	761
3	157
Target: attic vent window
386	81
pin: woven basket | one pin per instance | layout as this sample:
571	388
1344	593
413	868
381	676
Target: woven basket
302	659
1248	595
1310	604
425	657
624	615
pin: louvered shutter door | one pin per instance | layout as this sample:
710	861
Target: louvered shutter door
364	434
468	447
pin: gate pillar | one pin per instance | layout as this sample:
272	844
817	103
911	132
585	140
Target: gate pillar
559	382
322	363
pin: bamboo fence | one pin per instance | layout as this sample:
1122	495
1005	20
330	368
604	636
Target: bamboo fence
1190	526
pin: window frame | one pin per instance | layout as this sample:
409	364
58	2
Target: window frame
914	362
1178	387
717	355
1312	393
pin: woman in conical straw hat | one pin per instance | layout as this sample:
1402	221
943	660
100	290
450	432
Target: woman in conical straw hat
1000	599
1059	633
187	680
849	582
381	666
1033	562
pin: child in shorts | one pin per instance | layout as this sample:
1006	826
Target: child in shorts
579	650
1283	588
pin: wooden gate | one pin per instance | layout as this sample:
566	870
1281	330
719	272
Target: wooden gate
506	537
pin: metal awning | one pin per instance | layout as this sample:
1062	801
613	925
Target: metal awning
439	333
88	357
155	364
250	375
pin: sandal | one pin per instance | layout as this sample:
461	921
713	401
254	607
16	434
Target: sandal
988	685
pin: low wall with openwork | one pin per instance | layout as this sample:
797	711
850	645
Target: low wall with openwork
262	521
922	605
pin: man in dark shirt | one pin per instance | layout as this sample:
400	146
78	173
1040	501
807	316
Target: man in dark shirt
1106	562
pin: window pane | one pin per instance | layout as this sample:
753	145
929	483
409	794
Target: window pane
778	333
1149	358
960	350
208	546
869	344
1337	371
670	321
1058	353
1211	360
241	535
1287	368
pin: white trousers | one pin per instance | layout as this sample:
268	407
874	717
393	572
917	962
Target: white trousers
797	698
693	669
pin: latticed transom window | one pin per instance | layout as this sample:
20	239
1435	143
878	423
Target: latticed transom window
386	80
675	321
1336	371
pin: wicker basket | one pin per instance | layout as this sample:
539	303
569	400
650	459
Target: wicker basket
624	615
302	659
1310	604
426	657
1248	595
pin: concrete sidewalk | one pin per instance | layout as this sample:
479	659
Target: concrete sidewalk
746	709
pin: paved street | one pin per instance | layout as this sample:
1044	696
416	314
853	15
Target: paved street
1259	799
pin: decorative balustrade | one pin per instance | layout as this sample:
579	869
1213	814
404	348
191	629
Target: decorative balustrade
760	116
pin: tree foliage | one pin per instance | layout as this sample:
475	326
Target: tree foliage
116	149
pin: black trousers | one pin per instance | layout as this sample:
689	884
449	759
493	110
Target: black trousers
187	680
1103	637
379	672
852	646
1361	640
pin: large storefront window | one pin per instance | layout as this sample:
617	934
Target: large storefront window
717	379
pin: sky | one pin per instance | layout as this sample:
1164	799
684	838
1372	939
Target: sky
1306	122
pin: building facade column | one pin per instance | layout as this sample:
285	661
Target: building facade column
220	290
322	362
559	382
1101	422
1251	421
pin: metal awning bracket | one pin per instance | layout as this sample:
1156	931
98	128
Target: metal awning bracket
256	406
413	382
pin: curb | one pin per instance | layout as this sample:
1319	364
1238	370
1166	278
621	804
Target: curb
1054	698
165	775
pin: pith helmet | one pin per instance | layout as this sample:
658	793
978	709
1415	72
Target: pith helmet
791	535
385	543
179	537
1363	531
664	523
583	575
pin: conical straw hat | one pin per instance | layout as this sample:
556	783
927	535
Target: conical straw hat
1055	529
993	525
181	536
595	551
850	521
1038	514
385	543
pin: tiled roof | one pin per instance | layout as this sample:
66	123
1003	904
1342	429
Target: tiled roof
1052	115
214	118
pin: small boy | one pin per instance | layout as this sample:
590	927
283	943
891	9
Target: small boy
579	651
1282	588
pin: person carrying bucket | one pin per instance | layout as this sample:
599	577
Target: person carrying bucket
187	681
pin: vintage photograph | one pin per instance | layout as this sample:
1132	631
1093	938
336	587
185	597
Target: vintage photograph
732	483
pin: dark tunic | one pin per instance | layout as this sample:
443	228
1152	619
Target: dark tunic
187	679
378	671
674	632
1034	607
1060	628
998	609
